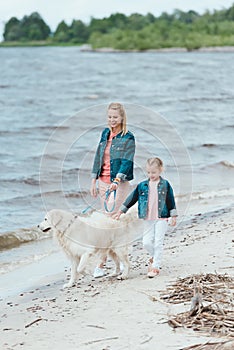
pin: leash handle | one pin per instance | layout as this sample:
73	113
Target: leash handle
108	192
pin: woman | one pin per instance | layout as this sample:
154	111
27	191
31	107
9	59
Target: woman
113	163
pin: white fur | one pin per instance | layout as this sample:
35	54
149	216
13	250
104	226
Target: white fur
81	237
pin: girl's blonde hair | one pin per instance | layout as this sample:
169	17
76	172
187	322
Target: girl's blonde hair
120	108
155	161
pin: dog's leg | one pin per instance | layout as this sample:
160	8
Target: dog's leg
83	262
122	254
115	258
74	274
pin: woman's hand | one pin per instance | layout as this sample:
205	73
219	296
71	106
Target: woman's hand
93	188
113	186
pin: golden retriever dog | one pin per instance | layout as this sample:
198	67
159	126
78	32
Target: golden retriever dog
82	237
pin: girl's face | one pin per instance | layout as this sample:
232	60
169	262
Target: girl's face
153	172
114	119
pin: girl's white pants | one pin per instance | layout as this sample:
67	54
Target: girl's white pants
153	239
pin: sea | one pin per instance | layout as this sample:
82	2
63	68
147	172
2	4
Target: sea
53	107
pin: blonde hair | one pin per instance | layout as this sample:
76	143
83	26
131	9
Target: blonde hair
120	108
155	161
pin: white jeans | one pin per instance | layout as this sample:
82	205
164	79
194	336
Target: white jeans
153	239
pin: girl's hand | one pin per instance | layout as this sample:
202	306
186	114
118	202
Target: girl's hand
117	215
173	221
93	188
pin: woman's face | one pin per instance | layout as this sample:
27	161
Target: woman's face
114	119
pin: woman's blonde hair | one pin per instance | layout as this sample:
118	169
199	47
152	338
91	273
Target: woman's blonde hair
155	161
118	107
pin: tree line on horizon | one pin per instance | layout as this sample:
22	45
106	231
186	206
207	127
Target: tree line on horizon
133	32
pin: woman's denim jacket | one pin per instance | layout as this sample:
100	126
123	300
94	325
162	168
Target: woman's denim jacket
122	152
166	201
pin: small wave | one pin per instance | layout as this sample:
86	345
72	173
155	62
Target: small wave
206	195
13	239
4	86
92	97
221	164
30	130
78	194
45	128
202	99
31	181
209	145
14	264
55	194
26	180
227	164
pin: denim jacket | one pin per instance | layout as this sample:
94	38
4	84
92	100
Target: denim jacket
122	152
166	201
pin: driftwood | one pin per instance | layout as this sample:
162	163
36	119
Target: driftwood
100	340
31	323
211	298
224	345
183	289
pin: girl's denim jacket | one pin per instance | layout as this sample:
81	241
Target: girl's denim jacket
122	152
166	201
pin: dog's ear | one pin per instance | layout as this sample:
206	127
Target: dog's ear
54	217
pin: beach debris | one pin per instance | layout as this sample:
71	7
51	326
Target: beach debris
210	285
223	345
33	322
211	303
95	326
147	339
100	340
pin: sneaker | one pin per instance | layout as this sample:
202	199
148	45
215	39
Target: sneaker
153	272
98	272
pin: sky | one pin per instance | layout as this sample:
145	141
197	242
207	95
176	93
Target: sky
54	11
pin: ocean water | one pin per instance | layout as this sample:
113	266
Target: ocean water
53	101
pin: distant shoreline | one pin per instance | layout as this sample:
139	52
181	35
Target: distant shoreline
88	48
169	49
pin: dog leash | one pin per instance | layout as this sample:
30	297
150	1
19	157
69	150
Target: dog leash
89	206
108	192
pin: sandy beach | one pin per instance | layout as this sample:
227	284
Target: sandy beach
109	314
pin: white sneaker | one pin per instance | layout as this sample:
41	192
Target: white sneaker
98	272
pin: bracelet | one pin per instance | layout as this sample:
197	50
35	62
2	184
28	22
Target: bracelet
115	182
117	179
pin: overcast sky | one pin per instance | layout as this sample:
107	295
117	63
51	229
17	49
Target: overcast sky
54	11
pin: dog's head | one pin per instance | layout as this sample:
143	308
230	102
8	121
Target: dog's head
46	225
56	219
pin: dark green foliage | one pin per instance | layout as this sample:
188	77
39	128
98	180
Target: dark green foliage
135	32
30	27
12	30
62	33
79	32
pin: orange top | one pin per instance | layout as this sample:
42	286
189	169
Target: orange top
105	174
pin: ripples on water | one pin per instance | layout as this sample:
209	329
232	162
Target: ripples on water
41	88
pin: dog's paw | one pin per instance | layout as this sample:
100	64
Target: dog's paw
115	273
69	284
122	277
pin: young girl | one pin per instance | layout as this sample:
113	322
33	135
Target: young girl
156	204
